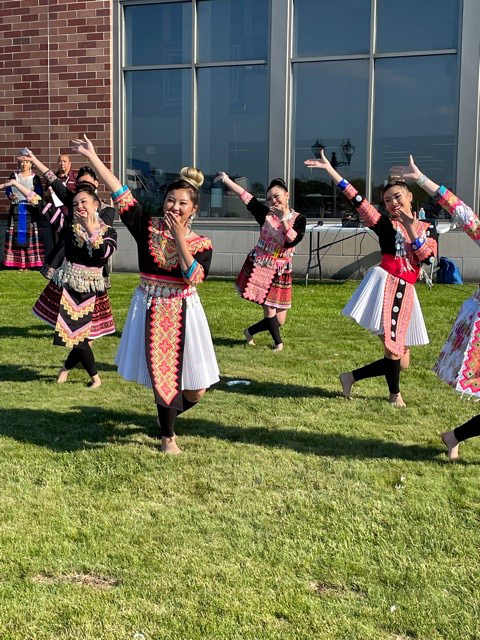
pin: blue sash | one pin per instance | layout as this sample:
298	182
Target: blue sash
21	225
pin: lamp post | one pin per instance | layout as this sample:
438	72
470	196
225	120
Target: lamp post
348	149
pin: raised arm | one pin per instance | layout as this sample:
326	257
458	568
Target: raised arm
256	208
367	212
85	148
461	213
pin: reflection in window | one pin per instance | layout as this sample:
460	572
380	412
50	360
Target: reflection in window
327	27
158	33
158	130
232	30
417	25
232	133
413	116
330	106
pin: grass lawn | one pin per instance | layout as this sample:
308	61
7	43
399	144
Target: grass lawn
292	514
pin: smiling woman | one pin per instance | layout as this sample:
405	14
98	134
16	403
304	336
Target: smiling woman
386	302
166	343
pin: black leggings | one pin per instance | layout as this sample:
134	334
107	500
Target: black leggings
384	367
85	357
168	416
469	429
267	324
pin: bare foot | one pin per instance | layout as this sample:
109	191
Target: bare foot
278	347
95	382
62	375
451	443
347	380
248	337
170	446
396	400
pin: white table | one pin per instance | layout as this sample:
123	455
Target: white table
341	233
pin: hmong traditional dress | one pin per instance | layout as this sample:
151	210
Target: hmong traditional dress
166	343
24	244
459	361
64	189
386	302
75	301
266	275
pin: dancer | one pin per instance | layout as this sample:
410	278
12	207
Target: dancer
386	302
166	342
458	363
62	185
266	276
75	302
24	246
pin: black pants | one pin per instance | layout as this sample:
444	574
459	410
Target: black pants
267	324
383	367
167	417
83	356
469	429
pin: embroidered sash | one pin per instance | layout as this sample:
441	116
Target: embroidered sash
397	310
164	343
21	226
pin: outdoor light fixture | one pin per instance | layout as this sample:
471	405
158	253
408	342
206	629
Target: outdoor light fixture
317	148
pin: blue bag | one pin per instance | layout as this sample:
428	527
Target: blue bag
448	272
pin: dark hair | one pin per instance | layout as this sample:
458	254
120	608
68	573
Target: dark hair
277	182
394	182
190	179
86	171
86	187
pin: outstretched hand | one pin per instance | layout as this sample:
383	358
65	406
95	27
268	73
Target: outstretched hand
27	156
318	163
83	146
409	173
220	176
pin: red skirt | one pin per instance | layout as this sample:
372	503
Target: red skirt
265	285
48	304
32	257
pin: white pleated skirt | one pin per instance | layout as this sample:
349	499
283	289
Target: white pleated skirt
366	308
200	368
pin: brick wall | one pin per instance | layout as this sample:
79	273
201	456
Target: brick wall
55	60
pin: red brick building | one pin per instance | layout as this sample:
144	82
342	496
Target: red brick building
55	60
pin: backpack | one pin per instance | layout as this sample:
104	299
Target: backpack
448	272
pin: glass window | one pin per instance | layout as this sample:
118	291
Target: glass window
331	27
417	25
229	30
416	112
330	107
232	134
158	33
158	129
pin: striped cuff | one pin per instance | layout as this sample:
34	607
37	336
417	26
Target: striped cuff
189	272
119	192
50	176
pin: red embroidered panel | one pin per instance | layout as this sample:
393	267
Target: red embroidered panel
397	310
163	248
165	337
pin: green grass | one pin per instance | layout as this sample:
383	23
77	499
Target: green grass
292	514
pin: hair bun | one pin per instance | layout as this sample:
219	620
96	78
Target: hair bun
394	178
277	182
192	175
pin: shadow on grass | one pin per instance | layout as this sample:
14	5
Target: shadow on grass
94	427
228	342
274	389
18	373
32	331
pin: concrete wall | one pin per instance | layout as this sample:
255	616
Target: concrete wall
347	259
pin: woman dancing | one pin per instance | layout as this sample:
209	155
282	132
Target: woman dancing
75	302
166	342
386	302
24	246
266	276
63	191
459	362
